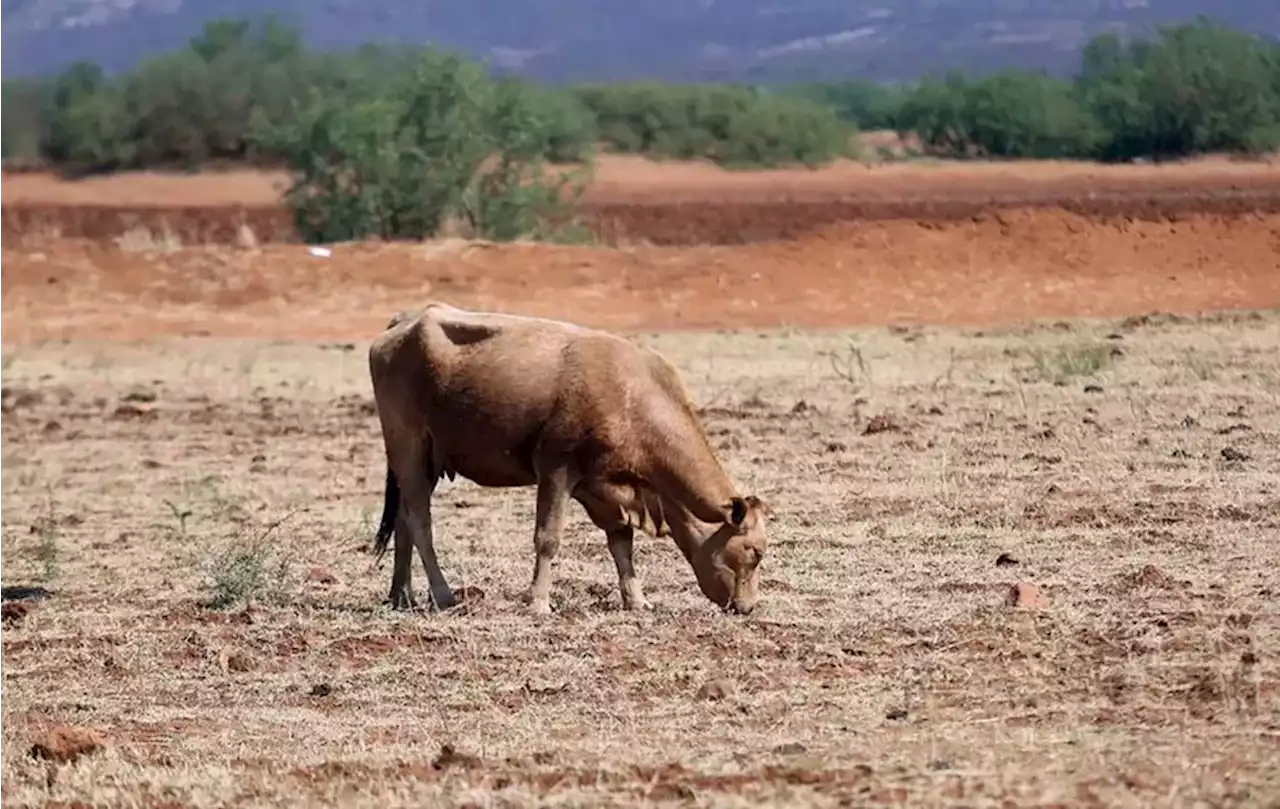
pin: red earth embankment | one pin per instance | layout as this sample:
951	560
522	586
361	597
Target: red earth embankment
994	268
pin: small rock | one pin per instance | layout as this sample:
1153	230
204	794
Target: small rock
715	690
469	594
1147	576
1026	595
1189	421
246	239
836	446
64	743
27	398
321	690
133	410
1093	389
12	613
140	396
881	424
790	749
1233	454
450	757
235	660
321	575
800	407
896	714
1005	560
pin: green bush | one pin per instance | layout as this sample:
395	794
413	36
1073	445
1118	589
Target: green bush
1195	88
25	109
1192	89
444	145
867	105
733	126
564	128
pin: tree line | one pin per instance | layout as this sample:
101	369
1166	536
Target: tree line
1190	89
399	141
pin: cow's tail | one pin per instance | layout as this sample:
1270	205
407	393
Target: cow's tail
390	505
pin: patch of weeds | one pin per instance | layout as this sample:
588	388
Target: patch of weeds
850	365
180	515
1202	369
47	549
1064	364
249	569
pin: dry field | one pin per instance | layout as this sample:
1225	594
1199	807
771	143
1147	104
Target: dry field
1131	470
192	474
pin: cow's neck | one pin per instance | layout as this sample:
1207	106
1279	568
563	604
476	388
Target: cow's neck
689	533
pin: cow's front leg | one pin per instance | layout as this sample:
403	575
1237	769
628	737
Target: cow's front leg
621	546
554	490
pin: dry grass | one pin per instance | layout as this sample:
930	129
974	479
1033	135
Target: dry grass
883	665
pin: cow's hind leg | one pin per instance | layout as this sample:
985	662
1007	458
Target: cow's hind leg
401	596
417	480
392	525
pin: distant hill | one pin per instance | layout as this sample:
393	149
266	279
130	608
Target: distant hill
575	40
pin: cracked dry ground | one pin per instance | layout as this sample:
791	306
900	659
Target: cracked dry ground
1129	470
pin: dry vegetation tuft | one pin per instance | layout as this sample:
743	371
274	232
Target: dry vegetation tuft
198	513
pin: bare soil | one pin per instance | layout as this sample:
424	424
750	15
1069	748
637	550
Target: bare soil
1006	266
1127	469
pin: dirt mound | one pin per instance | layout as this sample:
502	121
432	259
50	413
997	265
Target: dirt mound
631	200
663	223
998	267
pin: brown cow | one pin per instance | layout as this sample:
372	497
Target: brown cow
506	400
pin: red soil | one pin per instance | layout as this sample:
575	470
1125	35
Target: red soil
848	245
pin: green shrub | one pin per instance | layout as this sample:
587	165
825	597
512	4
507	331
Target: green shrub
1192	89
867	105
445	145
733	126
1195	88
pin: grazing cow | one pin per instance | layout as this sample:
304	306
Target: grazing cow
506	400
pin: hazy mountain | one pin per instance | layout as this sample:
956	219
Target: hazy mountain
612	39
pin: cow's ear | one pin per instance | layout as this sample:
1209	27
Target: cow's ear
758	505
737	512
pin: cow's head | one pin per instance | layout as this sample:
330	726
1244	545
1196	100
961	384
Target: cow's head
727	563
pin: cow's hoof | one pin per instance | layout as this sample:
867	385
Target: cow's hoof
540	608
401	600
443	600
